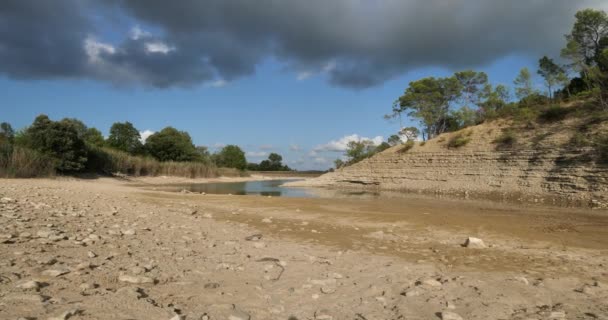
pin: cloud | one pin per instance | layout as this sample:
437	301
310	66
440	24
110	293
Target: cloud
295	148
342	143
145	134
357	44
256	154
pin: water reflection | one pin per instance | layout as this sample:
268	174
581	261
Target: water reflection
263	188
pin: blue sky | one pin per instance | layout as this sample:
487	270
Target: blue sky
297	78
271	111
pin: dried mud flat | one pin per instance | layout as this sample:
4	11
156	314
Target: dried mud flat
104	249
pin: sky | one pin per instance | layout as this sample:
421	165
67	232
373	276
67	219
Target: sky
300	78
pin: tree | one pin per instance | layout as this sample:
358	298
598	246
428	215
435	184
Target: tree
471	83
231	156
94	137
359	150
551	72
381	147
60	140
170	144
394	140
7	139
410	133
124	136
589	30
273	163
428	100
202	154
339	163
493	99
523	84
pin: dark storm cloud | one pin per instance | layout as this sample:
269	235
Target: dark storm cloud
358	43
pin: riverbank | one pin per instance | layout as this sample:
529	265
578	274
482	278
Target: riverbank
107	249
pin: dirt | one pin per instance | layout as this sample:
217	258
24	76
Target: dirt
108	249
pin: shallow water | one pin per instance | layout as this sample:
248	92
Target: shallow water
264	188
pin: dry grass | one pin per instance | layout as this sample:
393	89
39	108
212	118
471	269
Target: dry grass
111	162
25	163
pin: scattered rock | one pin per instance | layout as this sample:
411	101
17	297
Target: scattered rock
474	243
66	315
448	315
135	279
55	272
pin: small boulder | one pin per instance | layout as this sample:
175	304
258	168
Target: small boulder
448	315
474	243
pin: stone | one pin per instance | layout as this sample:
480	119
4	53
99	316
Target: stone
323	314
328	289
254	237
267	220
474	243
208	216
91	254
29	285
557	315
448	315
55	272
129	232
66	315
430	283
237	314
135	279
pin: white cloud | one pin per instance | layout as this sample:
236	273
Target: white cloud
219	145
218	83
137	33
295	147
342	143
94	48
256	154
158	47
144	135
304	75
320	160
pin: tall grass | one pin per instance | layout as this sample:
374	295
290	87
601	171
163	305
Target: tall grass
111	161
19	162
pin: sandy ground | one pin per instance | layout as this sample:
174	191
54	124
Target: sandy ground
107	249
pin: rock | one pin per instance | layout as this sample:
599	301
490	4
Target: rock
208	216
7	200
91	254
323	314
522	280
29	285
135	279
259	245
448	315
129	232
212	285
237	314
55	272
328	289
557	315
66	315
47	260
429	283
267	220
474	243
254	237
178	317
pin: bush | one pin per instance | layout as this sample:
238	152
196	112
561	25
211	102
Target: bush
601	147
554	113
459	140
406	147
171	145
506	139
579	140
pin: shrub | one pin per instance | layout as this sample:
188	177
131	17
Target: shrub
422	143
459	140
406	147
579	140
554	113
601	147
506	139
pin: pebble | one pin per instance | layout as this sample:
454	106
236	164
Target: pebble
55	272
66	315
267	220
29	285
237	314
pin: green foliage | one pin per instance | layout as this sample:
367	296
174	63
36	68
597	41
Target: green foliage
231	156
459	140
359	150
523	84
410	133
554	113
551	72
169	144
273	163
381	147
59	140
94	137
339	163
506	140
590	27
394	140
429	101
579	140
471	85
601	147
23	162
124	137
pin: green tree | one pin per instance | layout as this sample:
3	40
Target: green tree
589	31
231	156
410	133
493	99
359	150
203	154
429	100
339	163
551	72
124	136
523	84
94	137
471	83
394	140
60	140
170	144
7	139
381	147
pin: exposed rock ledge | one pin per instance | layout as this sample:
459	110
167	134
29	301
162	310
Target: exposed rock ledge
548	176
